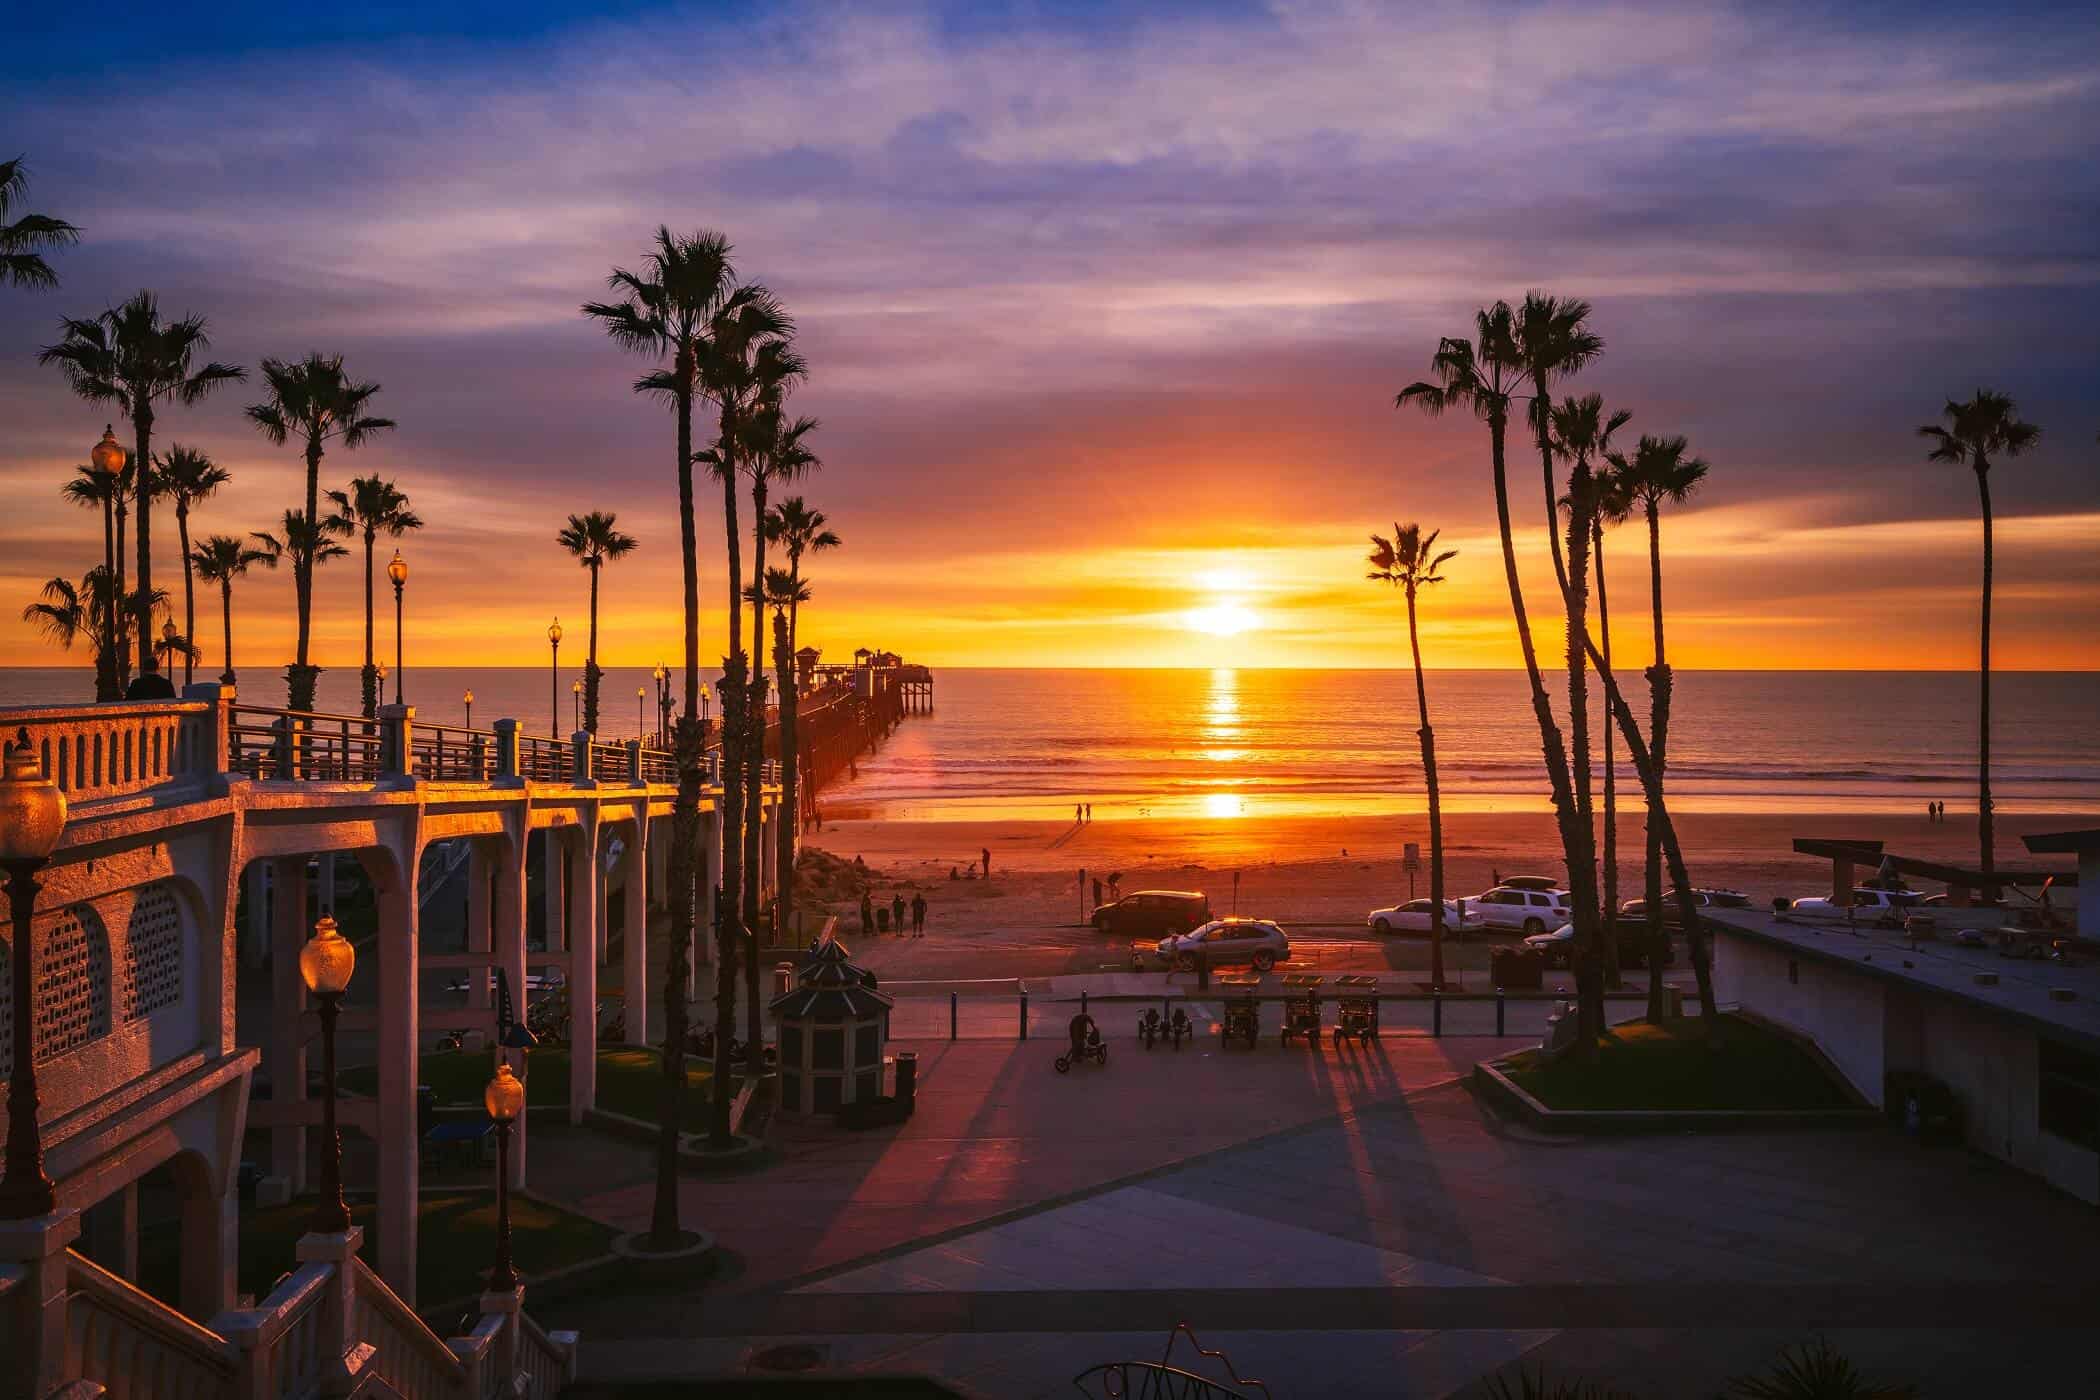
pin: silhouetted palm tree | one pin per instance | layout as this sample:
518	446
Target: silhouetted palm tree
799	530
1410	561
666	311
1611	504
1484	378
130	357
1658	472
21	261
314	401
65	610
187	476
1987	426
1554	342
373	506
221	559
105	494
593	539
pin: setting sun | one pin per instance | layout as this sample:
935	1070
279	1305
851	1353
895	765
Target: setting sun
1223	619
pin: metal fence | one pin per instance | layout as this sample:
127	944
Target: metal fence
1018	1016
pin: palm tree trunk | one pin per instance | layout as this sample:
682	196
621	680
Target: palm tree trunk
1589	967
106	605
1436	811
120	606
754	799
371	671
301	680
1582	885
790	760
1987	848
729	939
590	664
189	593
1659	684
226	620
142	430
685	844
1610	911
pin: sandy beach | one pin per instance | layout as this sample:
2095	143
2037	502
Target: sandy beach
1334	869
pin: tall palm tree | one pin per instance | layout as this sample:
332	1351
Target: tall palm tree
130	357
314	401
21	261
65	610
1987	426
800	531
665	312
97	492
784	592
1410	560
593	539
373	506
186	477
1611	503
1553	341
296	539
1484	378
221	559
1659	472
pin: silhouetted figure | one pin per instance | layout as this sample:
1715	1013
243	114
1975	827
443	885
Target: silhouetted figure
986	856
867	913
897	912
918	915
1075	814
1089	811
1085	1035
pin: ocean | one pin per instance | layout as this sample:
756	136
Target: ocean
1028	744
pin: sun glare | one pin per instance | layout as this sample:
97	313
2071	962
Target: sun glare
1224	804
1223	619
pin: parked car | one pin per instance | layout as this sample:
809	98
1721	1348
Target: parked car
1527	911
1153	913
1884	908
1413	917
1672	911
1559	948
1227	942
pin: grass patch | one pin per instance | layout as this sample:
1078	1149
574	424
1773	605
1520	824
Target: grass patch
630	1081
1673	1067
456	1243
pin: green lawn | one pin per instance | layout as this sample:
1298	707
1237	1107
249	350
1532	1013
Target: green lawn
1672	1067
456	1243
630	1081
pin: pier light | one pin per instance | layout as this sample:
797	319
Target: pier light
504	1099
554	632
641	693
32	818
469	699
325	964
554	677
108	455
397	570
576	702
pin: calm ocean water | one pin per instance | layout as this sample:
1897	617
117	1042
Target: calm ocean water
1032	743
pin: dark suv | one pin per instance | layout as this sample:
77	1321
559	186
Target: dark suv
1153	913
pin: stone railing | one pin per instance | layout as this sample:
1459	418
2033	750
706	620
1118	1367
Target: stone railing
137	1348
414	1360
100	751
282	1341
546	1359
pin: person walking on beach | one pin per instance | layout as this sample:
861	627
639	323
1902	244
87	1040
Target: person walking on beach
867	914
986	856
1089	811
918	914
1075	814
897	912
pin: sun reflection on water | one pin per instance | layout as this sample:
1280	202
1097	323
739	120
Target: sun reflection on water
1224	804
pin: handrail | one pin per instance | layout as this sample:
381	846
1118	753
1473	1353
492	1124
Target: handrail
282	1335
135	1346
549	1359
414	1359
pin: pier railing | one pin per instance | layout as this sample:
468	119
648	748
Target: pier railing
100	751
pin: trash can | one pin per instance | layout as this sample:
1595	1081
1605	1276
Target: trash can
1517	969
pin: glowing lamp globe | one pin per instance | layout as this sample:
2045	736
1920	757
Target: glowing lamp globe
469	697
32	809
167	630
398	569
554	631
108	456
575	687
327	960
505	1096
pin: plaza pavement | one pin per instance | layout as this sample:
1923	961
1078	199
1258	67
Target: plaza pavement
1343	1224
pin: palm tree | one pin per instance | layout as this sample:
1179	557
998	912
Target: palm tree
1409	560
130	357
785	592
64	610
1610	504
1484	378
593	539
1553	342
298	540
1658	472
20	261
1987	426
799	530
666	311
373	506
172	645
315	401
221	559
186	476
97	492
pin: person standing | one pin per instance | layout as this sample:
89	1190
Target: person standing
867	914
1075	814
897	912
1089	811
985	856
918	914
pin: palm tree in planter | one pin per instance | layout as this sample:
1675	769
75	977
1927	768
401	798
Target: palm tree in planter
131	358
373	506
23	239
221	559
313	401
1410	561
186	477
1972	433
592	540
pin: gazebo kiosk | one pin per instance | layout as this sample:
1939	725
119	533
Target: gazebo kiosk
833	1027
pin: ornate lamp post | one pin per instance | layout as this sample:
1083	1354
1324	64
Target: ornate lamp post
107	458
32	818
576	704
325	965
554	678
469	698
703	712
505	1100
663	704
167	643
398	572
641	724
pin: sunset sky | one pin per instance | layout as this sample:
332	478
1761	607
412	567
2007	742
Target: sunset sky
1105	306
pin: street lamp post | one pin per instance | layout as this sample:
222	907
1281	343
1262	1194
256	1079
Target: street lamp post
32	818
325	965
663	704
167	643
576	704
504	1099
554	678
108	459
641	724
469	698
398	572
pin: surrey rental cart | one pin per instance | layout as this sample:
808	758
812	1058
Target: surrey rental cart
1301	1008
1242	1010
1356	1009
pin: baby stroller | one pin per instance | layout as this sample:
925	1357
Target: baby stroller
1087	1044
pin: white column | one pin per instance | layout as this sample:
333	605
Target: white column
586	910
509	936
400	1147
634	959
480	868
284	1049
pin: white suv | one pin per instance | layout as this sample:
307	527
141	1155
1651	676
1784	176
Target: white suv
1523	911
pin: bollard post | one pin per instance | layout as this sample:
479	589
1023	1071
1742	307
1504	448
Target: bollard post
1024	1015
951	1015
1082	1001
1501	1005
1436	1012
